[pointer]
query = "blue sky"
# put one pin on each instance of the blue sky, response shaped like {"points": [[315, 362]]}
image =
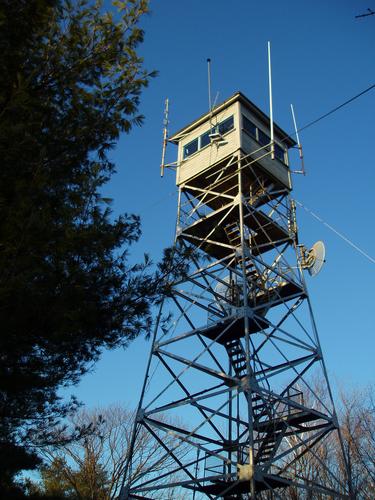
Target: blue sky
{"points": [[321, 57]]}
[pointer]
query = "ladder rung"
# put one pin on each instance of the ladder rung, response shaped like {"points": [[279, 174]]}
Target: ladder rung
{"points": [[231, 344], [234, 349], [240, 369], [240, 359], [269, 445], [239, 362], [235, 230], [231, 227]]}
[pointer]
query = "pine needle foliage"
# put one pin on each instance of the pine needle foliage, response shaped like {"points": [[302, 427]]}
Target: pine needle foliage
{"points": [[70, 84]]}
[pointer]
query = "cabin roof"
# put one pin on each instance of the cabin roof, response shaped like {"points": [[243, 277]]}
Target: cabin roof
{"points": [[238, 96]]}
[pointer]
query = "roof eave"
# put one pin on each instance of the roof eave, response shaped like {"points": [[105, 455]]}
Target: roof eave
{"points": [[238, 96]]}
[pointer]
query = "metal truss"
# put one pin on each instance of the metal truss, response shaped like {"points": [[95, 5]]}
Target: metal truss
{"points": [[230, 381]]}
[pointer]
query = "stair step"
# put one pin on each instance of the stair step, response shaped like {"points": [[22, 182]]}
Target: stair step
{"points": [[235, 348], [232, 342], [239, 363], [235, 354], [239, 369], [269, 446], [238, 358], [233, 351], [266, 439], [235, 230]]}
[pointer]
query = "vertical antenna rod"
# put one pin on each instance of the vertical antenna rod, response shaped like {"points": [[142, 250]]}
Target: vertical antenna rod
{"points": [[302, 171], [209, 84], [271, 107], [295, 124], [165, 136]]}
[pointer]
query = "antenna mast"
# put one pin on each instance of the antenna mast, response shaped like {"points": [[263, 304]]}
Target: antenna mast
{"points": [[302, 171], [165, 136], [209, 84], [271, 106]]}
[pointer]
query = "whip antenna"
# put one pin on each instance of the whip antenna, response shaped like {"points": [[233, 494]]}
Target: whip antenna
{"points": [[209, 84], [302, 171], [271, 106], [165, 136]]}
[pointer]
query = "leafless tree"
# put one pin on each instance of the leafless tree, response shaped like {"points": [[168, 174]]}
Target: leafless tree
{"points": [[356, 416], [93, 465]]}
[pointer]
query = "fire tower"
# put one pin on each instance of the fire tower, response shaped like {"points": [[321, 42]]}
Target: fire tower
{"points": [[230, 398]]}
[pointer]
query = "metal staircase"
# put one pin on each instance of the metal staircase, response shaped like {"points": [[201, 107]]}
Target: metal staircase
{"points": [[237, 357], [233, 233]]}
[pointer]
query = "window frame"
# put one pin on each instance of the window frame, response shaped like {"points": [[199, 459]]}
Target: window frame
{"points": [[187, 145], [254, 136], [264, 136], [282, 151], [230, 118], [214, 129]]}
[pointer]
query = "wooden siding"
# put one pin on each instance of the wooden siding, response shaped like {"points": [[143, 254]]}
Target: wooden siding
{"points": [[235, 139]]}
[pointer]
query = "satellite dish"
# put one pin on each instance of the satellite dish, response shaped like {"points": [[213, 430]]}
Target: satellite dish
{"points": [[315, 258]]}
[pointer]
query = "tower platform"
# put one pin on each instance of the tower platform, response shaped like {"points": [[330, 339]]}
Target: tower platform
{"points": [[208, 233], [229, 489]]}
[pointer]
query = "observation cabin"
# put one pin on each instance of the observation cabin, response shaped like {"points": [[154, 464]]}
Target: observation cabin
{"points": [[236, 130]]}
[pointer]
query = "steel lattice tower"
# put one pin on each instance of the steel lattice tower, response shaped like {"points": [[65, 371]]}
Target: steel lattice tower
{"points": [[229, 396]]}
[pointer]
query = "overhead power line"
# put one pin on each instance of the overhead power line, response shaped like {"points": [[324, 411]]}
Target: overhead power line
{"points": [[336, 108], [369, 12], [349, 242]]}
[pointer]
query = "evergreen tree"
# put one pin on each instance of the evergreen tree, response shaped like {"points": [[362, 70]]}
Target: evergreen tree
{"points": [[70, 83]]}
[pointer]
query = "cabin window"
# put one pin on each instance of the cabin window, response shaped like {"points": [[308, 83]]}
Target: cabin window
{"points": [[226, 125], [191, 148], [279, 153], [263, 138], [221, 128], [249, 127], [203, 140]]}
